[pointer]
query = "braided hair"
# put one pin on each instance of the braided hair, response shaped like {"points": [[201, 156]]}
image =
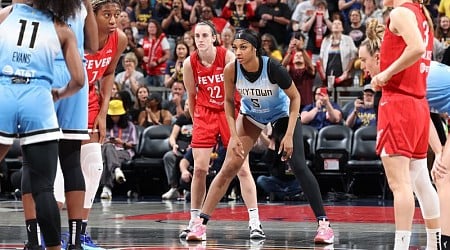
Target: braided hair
{"points": [[96, 4]]}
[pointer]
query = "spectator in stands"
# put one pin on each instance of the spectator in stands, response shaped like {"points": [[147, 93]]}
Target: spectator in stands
{"points": [[140, 16], [227, 37], [273, 16], [317, 27], [337, 55], [302, 72], [238, 13], [270, 47], [303, 12], [174, 68], [179, 140], [207, 13], [129, 78], [132, 46], [176, 23], [281, 184], [115, 89], [345, 6], [118, 147], [156, 53], [141, 96], [356, 30], [176, 101], [188, 39], [322, 112], [364, 112], [154, 114], [297, 43], [127, 102], [371, 10], [124, 22]]}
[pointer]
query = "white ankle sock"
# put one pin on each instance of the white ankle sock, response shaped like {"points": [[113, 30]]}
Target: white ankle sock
{"points": [[433, 238], [253, 215], [402, 239], [195, 213]]}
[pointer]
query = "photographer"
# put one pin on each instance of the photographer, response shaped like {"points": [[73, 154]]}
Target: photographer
{"points": [[364, 112], [179, 140]]}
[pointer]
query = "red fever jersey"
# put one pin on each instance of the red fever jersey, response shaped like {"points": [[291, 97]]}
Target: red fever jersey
{"points": [[210, 81], [96, 65], [411, 81]]}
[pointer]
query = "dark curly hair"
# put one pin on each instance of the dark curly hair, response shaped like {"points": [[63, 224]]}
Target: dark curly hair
{"points": [[62, 10]]}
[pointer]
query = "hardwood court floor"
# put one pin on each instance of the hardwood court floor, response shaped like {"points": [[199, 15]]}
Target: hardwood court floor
{"points": [[127, 224]]}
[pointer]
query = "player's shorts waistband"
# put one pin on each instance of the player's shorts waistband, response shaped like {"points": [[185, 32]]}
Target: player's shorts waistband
{"points": [[5, 80]]}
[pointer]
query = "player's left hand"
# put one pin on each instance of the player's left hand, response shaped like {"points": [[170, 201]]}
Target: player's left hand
{"points": [[286, 148]]}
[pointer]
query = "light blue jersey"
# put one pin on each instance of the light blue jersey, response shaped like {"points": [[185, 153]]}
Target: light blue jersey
{"points": [[72, 112], [438, 87], [28, 46], [262, 100]]}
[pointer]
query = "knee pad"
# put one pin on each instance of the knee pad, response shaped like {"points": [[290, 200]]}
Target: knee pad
{"points": [[424, 190], [58, 187], [92, 167]]}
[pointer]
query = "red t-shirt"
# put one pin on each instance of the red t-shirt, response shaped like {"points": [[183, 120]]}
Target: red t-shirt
{"points": [[411, 81]]}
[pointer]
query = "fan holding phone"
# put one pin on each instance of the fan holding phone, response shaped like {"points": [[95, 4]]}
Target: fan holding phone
{"points": [[322, 112], [363, 113]]}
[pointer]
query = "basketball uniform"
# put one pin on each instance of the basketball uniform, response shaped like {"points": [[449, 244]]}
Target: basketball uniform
{"points": [[438, 86], [403, 101], [28, 54], [262, 101], [209, 114], [96, 65], [72, 112]]}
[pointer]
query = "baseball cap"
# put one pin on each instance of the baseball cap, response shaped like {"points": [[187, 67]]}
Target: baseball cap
{"points": [[368, 87]]}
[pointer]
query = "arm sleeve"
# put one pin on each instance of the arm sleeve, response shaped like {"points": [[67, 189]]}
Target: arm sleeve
{"points": [[278, 74]]}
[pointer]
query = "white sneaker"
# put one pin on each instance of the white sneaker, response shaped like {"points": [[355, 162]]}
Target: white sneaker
{"points": [[256, 231], [120, 177], [106, 193], [171, 194]]}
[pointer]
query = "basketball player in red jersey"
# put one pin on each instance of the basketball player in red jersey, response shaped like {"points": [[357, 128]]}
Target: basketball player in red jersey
{"points": [[100, 68], [204, 82], [403, 114]]}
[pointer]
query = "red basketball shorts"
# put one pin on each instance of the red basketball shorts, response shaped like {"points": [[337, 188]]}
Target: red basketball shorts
{"points": [[403, 126]]}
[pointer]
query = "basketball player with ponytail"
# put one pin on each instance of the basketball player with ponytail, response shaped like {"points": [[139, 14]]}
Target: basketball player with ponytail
{"points": [[403, 112], [204, 80], [369, 53]]}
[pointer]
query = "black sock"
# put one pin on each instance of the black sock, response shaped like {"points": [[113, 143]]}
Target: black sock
{"points": [[205, 218], [32, 233], [75, 229], [83, 226], [445, 242]]}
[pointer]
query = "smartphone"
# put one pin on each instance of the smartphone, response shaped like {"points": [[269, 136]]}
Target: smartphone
{"points": [[323, 91]]}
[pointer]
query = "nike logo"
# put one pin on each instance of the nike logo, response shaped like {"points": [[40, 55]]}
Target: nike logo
{"points": [[383, 103], [109, 51], [444, 244], [28, 228]]}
